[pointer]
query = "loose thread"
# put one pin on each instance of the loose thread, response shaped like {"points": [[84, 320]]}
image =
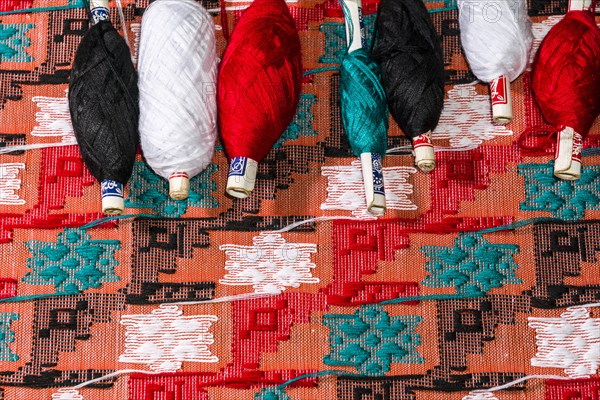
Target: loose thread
{"points": [[228, 299], [35, 146], [505, 227], [114, 375], [428, 297], [111, 218], [41, 9], [124, 25], [328, 372], [316, 219]]}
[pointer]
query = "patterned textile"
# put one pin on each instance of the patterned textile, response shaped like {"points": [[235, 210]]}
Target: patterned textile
{"points": [[422, 304]]}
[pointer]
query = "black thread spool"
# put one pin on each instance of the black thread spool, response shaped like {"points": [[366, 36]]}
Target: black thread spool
{"points": [[412, 72], [103, 101]]}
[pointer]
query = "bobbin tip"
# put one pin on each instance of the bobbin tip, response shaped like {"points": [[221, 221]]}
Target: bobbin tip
{"points": [[573, 173], [242, 176], [179, 186], [424, 153], [502, 112], [377, 205], [112, 197], [372, 171], [567, 160]]}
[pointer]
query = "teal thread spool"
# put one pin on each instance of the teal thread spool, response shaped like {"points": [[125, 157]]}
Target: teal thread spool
{"points": [[364, 108]]}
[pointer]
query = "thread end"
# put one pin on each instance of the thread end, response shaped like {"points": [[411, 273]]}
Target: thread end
{"points": [[372, 171], [112, 197], [567, 160], [242, 176], [424, 153], [179, 186], [502, 112]]}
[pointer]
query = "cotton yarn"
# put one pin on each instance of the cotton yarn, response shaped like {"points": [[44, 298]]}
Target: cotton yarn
{"points": [[258, 88], [363, 108], [103, 102], [363, 104], [496, 37], [566, 83], [177, 82], [566, 73], [412, 69]]}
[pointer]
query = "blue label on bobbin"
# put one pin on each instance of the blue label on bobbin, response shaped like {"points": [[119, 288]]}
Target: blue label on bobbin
{"points": [[363, 33], [238, 166], [111, 189], [99, 14], [378, 187]]}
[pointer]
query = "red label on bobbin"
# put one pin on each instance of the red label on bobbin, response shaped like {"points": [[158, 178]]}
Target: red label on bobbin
{"points": [[577, 147], [422, 140], [179, 175], [498, 91]]}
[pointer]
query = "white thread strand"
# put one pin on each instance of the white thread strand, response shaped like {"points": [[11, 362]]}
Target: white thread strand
{"points": [[316, 219], [35, 146], [177, 80], [521, 380], [123, 24], [115, 374], [496, 36], [228, 299]]}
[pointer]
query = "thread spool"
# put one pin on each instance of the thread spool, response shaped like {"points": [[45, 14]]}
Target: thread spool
{"points": [[409, 52], [369, 151], [103, 102], [177, 81], [569, 144], [497, 39], [566, 83], [258, 88]]}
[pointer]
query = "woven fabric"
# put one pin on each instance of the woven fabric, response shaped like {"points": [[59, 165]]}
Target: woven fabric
{"points": [[423, 304]]}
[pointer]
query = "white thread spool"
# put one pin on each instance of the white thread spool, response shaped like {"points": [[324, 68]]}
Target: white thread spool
{"points": [[177, 80], [497, 39], [372, 168]]}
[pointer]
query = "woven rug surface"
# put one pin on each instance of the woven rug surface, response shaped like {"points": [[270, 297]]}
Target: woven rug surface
{"points": [[429, 302]]}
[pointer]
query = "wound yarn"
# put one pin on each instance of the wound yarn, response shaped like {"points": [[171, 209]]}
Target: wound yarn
{"points": [[566, 73], [363, 108], [259, 87], [566, 84], [412, 66], [103, 102], [496, 37], [363, 103], [177, 82]]}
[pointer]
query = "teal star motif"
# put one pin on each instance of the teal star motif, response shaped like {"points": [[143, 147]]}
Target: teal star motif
{"points": [[563, 199], [7, 336], [72, 264], [302, 124], [271, 394], [370, 340], [148, 190], [13, 41], [473, 265]]}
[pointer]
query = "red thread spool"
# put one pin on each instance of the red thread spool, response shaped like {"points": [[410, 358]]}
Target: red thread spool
{"points": [[566, 85], [258, 88]]}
